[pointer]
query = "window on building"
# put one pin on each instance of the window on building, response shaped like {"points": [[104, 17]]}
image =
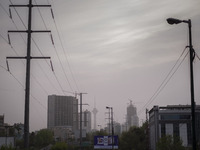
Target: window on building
{"points": [[189, 133], [163, 130], [174, 117], [176, 129]]}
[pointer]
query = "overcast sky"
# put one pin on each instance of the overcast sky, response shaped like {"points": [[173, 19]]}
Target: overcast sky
{"points": [[114, 50]]}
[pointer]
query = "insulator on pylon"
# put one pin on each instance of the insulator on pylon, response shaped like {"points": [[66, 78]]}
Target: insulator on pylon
{"points": [[8, 69], [52, 13], [9, 40], [10, 13], [51, 65], [52, 39]]}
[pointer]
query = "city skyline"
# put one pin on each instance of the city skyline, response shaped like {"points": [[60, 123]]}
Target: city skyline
{"points": [[113, 50]]}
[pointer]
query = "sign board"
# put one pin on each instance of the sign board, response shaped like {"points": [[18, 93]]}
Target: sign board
{"points": [[105, 142]]}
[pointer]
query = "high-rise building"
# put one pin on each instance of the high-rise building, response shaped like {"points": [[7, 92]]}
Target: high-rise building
{"points": [[86, 120], [174, 120], [62, 111], [132, 118]]}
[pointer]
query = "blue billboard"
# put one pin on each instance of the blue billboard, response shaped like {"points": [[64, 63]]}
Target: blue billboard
{"points": [[105, 142]]}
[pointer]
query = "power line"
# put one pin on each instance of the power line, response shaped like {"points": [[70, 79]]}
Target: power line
{"points": [[165, 81], [3, 67], [197, 56], [19, 16], [56, 53], [64, 52], [4, 9], [39, 51], [3, 38], [55, 48], [28, 66], [36, 47]]}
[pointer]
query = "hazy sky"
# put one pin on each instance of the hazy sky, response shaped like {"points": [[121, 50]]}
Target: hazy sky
{"points": [[114, 50]]}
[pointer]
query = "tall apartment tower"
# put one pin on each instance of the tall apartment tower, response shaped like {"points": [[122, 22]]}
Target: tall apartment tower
{"points": [[62, 111], [132, 118]]}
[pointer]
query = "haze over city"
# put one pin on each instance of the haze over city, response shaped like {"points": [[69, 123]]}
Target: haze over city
{"points": [[113, 50]]}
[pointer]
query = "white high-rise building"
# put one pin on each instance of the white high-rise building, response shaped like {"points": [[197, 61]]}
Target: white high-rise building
{"points": [[62, 111]]}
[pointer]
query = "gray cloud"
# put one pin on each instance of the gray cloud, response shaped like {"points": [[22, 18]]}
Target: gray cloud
{"points": [[116, 49]]}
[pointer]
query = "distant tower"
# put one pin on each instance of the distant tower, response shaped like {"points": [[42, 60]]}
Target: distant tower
{"points": [[95, 111]]}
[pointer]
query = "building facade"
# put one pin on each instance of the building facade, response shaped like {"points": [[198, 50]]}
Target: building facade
{"points": [[6, 133], [87, 121], [2, 129], [132, 118], [63, 133], [62, 111], [174, 120]]}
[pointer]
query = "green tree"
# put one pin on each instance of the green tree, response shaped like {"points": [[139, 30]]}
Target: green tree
{"points": [[43, 138], [134, 139], [168, 143], [59, 146], [6, 148]]}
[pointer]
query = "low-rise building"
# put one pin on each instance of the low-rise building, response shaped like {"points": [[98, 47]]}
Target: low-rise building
{"points": [[174, 120], [63, 133], [6, 133]]}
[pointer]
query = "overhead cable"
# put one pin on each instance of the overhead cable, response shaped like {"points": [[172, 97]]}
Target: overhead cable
{"points": [[165, 81]]}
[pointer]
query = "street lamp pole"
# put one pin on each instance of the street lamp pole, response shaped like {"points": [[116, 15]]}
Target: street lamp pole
{"points": [[112, 126], [192, 56], [112, 129]]}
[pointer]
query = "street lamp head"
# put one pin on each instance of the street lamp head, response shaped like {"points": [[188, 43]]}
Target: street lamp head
{"points": [[107, 107], [173, 21]]}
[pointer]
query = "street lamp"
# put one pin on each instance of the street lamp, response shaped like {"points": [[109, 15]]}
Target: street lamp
{"points": [[111, 125], [192, 55]]}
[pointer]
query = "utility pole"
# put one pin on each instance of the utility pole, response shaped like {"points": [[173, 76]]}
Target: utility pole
{"points": [[109, 124], [113, 140], [28, 65], [147, 129], [81, 119]]}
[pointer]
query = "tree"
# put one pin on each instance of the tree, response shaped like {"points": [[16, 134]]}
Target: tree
{"points": [[43, 138], [168, 143], [59, 146], [134, 139], [6, 148]]}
